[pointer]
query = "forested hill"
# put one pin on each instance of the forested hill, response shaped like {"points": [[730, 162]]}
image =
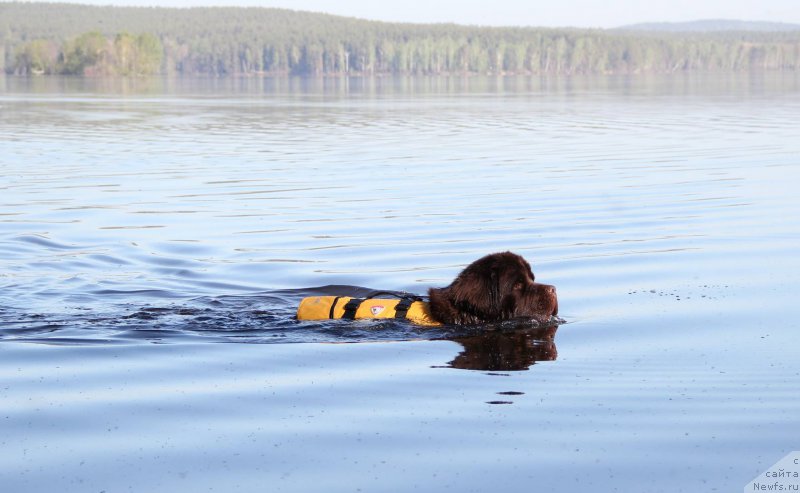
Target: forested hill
{"points": [[78, 39], [710, 25]]}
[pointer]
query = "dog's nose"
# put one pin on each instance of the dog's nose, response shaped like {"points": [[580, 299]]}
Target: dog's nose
{"points": [[551, 291], [547, 288]]}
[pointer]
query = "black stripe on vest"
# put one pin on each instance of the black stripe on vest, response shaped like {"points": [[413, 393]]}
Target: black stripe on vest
{"points": [[351, 307], [333, 306], [401, 310]]}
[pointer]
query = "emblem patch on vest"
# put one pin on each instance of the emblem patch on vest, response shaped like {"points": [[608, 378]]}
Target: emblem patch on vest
{"points": [[376, 309]]}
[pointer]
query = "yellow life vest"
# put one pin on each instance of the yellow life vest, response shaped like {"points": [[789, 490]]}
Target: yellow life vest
{"points": [[327, 307]]}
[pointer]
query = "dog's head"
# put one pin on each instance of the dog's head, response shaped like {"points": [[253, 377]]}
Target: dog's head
{"points": [[500, 286]]}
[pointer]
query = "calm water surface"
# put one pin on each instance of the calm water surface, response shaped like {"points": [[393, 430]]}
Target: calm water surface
{"points": [[143, 223]]}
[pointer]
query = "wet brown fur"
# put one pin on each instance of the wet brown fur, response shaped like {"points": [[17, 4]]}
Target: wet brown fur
{"points": [[497, 287]]}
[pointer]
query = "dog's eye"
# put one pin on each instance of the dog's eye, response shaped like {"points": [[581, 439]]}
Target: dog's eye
{"points": [[517, 285]]}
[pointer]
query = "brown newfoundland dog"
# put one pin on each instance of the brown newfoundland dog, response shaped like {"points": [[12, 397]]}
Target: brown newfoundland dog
{"points": [[496, 287]]}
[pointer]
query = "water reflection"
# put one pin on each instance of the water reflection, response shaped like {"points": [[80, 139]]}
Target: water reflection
{"points": [[501, 350], [325, 88]]}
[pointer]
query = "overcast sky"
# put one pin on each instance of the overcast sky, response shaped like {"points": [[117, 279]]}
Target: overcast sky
{"points": [[579, 13]]}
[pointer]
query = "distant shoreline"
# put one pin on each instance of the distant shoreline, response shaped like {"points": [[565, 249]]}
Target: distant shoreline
{"points": [[71, 39]]}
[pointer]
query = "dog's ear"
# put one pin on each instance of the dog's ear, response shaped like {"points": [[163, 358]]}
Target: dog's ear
{"points": [[478, 292]]}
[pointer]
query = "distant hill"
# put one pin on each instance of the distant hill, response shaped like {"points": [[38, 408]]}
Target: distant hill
{"points": [[712, 25], [58, 38]]}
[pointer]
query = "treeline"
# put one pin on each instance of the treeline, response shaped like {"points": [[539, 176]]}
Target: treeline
{"points": [[80, 39], [91, 53]]}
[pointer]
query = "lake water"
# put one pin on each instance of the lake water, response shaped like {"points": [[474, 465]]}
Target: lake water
{"points": [[156, 235]]}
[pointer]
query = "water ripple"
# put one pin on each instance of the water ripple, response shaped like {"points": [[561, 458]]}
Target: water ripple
{"points": [[183, 195]]}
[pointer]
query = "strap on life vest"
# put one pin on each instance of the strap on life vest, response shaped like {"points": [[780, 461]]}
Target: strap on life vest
{"points": [[401, 310], [351, 307], [333, 307]]}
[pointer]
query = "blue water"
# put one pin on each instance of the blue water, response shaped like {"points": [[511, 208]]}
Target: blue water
{"points": [[156, 235]]}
